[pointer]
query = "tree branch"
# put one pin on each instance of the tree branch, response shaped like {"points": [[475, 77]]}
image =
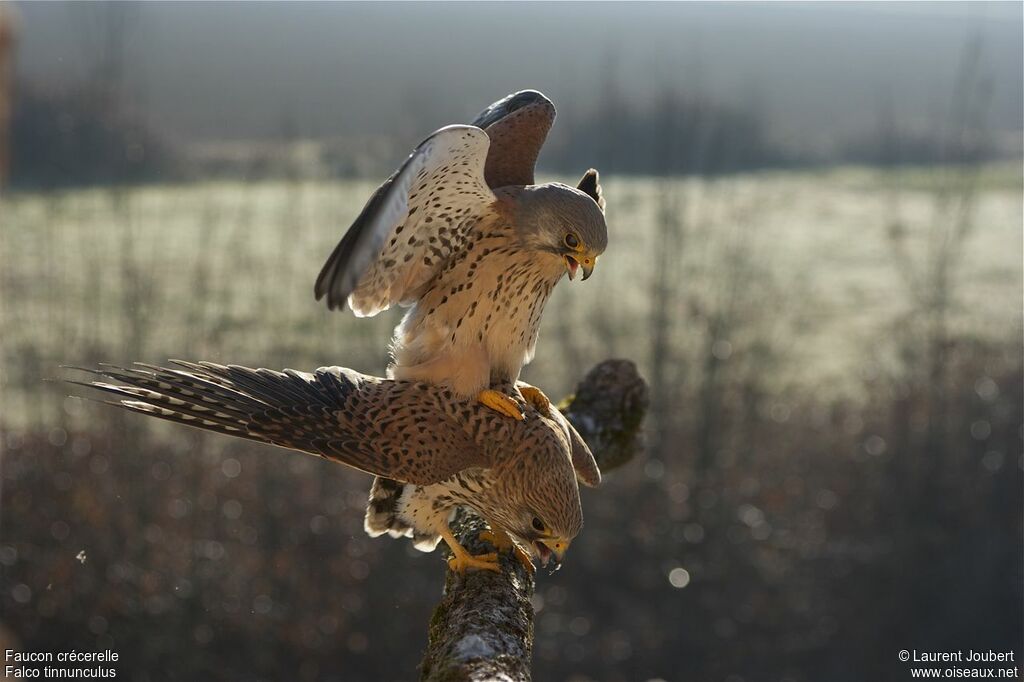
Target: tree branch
{"points": [[483, 627]]}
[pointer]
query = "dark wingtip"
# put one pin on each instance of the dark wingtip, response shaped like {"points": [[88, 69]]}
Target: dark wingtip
{"points": [[590, 185], [518, 100], [320, 288], [325, 283], [333, 300], [509, 105]]}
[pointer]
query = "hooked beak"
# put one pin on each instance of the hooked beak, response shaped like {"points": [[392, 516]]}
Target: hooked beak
{"points": [[583, 262], [551, 550]]}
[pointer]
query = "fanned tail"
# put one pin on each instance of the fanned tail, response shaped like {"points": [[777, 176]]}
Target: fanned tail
{"points": [[280, 408], [376, 425]]}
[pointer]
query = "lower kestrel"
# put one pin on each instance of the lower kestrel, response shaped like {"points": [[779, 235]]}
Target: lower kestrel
{"points": [[432, 451]]}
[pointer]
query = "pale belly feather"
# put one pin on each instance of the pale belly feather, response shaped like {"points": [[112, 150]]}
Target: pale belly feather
{"points": [[478, 321]]}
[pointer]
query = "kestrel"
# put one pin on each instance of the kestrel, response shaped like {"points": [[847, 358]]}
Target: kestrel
{"points": [[462, 236], [431, 451]]}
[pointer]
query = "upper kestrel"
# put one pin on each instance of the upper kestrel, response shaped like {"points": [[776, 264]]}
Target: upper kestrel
{"points": [[431, 451], [462, 236]]}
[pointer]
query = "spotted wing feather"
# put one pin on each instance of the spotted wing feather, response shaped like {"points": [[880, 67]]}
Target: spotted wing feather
{"points": [[411, 225], [404, 431]]}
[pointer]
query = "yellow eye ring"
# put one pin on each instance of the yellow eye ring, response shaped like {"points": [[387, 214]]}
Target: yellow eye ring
{"points": [[538, 525], [572, 241]]}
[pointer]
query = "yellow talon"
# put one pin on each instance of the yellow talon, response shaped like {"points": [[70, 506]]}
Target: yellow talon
{"points": [[463, 560], [500, 403], [482, 562], [502, 542], [536, 397]]}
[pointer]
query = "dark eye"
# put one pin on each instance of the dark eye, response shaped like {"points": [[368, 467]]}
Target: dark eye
{"points": [[538, 524], [572, 241]]}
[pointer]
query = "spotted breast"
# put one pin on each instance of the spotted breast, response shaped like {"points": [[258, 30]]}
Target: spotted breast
{"points": [[478, 321]]}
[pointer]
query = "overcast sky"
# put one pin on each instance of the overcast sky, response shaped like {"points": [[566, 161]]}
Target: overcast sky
{"points": [[239, 70]]}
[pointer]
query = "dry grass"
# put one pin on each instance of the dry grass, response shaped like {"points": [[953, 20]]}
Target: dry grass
{"points": [[223, 271]]}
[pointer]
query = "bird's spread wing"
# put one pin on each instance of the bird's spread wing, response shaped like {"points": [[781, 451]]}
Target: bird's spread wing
{"points": [[517, 126], [411, 225], [410, 432]]}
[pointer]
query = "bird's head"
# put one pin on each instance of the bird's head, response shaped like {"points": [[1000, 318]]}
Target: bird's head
{"points": [[541, 498], [546, 542], [566, 222]]}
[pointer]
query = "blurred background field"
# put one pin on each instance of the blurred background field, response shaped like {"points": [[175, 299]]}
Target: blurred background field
{"points": [[222, 271], [822, 284]]}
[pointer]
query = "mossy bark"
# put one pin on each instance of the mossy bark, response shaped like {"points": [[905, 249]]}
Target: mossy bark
{"points": [[608, 410], [483, 627]]}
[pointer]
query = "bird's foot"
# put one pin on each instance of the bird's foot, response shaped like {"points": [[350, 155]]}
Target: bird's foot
{"points": [[462, 561], [500, 403], [536, 397], [503, 543]]}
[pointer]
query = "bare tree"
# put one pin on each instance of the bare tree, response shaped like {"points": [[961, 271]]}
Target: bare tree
{"points": [[930, 271]]}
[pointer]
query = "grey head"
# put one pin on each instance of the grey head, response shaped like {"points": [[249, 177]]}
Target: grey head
{"points": [[565, 221]]}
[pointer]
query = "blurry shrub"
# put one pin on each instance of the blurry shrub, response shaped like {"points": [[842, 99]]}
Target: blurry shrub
{"points": [[707, 137], [81, 139]]}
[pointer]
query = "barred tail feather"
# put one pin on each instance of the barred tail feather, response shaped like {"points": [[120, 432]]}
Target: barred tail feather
{"points": [[365, 422], [231, 400], [173, 406]]}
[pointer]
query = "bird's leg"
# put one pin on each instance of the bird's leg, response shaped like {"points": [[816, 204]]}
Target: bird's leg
{"points": [[503, 543], [463, 560], [500, 403], [536, 397]]}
